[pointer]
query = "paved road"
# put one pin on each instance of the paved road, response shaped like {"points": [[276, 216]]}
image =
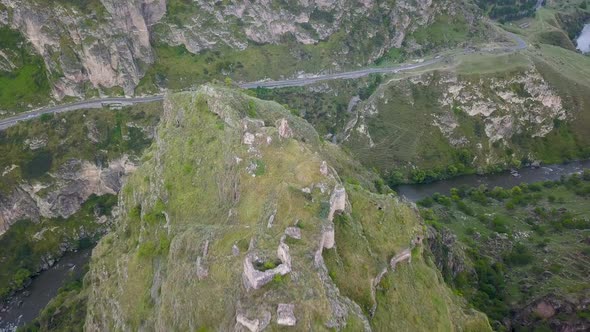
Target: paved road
{"points": [[520, 44], [85, 104], [328, 77], [99, 103]]}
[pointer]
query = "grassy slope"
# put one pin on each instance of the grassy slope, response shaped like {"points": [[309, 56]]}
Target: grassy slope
{"points": [[27, 84], [195, 181], [545, 228]]}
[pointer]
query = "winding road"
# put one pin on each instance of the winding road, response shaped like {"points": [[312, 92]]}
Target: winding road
{"points": [[294, 82]]}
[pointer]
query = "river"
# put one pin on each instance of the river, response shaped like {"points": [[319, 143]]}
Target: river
{"points": [[583, 41], [28, 303], [415, 192]]}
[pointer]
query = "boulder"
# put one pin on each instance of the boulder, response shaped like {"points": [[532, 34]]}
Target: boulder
{"points": [[328, 240], [284, 255], [253, 325], [285, 315], [248, 138], [235, 250], [293, 232], [284, 129], [202, 271]]}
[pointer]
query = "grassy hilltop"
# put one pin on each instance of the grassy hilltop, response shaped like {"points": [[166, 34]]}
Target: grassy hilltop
{"points": [[227, 176]]}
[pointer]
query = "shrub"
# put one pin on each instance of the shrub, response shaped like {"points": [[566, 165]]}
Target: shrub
{"points": [[147, 250], [135, 212], [499, 224], [465, 208], [38, 165], [20, 278], [260, 168], [519, 255], [499, 193], [510, 205], [442, 199], [516, 191], [426, 202], [269, 265]]}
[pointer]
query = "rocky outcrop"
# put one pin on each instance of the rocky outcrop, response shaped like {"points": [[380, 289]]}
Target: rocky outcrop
{"points": [[324, 168], [493, 116], [72, 184], [404, 256], [557, 312], [448, 253], [531, 103], [284, 129], [293, 232], [106, 43]]}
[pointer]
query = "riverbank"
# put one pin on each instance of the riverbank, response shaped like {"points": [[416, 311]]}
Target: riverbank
{"points": [[27, 303], [507, 179]]}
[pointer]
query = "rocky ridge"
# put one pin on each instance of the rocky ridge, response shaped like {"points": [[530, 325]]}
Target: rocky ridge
{"points": [[235, 217]]}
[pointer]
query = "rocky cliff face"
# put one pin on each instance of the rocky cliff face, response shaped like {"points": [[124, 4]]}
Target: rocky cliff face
{"points": [[494, 116], [105, 43], [109, 43], [72, 184], [240, 218]]}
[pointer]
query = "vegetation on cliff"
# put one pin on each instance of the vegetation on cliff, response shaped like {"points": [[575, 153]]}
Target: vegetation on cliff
{"points": [[527, 250]]}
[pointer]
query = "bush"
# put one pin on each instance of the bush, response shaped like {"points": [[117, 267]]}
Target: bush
{"points": [[499, 193], [442, 199], [499, 224], [510, 205], [147, 250], [465, 208], [38, 165], [426, 202], [520, 255], [20, 278]]}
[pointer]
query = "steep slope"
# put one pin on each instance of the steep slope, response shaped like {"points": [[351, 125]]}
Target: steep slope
{"points": [[238, 219], [484, 113], [59, 180], [519, 254]]}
